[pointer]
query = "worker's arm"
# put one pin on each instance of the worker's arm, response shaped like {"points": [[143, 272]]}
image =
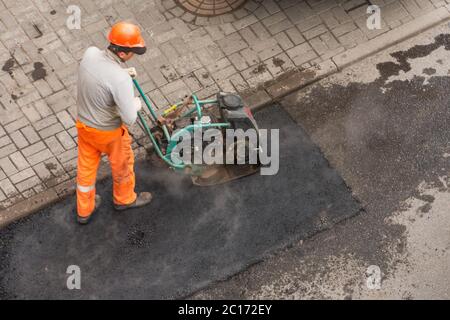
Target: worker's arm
{"points": [[127, 104]]}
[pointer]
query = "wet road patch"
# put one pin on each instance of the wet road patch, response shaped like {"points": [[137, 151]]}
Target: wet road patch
{"points": [[186, 239], [389, 69]]}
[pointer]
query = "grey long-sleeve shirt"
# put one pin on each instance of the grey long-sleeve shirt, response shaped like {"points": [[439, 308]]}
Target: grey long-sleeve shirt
{"points": [[105, 96]]}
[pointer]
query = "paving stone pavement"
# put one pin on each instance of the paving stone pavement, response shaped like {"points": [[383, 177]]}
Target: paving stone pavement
{"points": [[237, 51]]}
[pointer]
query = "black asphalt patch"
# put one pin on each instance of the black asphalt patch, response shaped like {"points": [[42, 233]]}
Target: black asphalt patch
{"points": [[186, 239]]}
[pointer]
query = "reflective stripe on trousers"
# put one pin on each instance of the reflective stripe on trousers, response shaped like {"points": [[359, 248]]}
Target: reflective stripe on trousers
{"points": [[85, 189]]}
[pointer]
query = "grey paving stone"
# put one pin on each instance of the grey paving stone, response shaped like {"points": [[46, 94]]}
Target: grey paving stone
{"points": [[19, 161], [7, 167]]}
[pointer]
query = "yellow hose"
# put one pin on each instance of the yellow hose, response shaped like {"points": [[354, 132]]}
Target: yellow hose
{"points": [[169, 110]]}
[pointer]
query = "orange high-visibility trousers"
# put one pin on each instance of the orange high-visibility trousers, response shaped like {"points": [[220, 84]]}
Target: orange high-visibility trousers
{"points": [[116, 144]]}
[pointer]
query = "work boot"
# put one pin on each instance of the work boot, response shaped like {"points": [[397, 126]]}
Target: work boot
{"points": [[85, 220], [142, 199]]}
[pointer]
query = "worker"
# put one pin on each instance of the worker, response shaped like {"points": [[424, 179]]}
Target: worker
{"points": [[106, 107]]}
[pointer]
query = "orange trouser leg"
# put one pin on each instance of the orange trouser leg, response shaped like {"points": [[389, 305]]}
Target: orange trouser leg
{"points": [[121, 158], [117, 145], [87, 165]]}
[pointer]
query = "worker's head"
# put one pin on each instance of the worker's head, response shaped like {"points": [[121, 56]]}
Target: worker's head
{"points": [[126, 40]]}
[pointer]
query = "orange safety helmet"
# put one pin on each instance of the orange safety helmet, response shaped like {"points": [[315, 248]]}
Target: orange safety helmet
{"points": [[127, 35]]}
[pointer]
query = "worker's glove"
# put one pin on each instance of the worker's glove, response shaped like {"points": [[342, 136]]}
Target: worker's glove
{"points": [[132, 72], [138, 104]]}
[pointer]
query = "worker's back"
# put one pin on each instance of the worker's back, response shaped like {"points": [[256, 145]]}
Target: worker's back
{"points": [[105, 91]]}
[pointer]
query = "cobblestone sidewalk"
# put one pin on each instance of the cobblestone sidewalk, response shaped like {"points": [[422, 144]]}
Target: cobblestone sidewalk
{"points": [[236, 51]]}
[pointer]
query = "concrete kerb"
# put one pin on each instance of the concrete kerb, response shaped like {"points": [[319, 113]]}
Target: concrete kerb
{"points": [[267, 94], [27, 207], [393, 37], [300, 79]]}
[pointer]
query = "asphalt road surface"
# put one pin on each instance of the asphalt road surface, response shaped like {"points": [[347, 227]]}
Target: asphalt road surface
{"points": [[384, 125], [188, 238]]}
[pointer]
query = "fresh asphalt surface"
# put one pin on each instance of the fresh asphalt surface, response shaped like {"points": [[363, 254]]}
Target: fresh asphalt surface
{"points": [[188, 238], [383, 124]]}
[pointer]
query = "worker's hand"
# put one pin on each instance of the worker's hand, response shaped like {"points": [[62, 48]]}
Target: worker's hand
{"points": [[138, 104], [132, 72]]}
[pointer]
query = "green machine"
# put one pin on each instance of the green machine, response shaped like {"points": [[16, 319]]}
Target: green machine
{"points": [[227, 114]]}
